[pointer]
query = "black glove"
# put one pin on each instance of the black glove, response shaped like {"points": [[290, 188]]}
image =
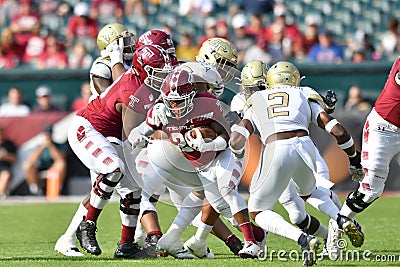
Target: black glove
{"points": [[330, 99]]}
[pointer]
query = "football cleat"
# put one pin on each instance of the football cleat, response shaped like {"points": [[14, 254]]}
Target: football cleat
{"points": [[198, 248], [131, 251], [234, 244], [66, 246], [309, 246], [249, 250], [334, 241], [151, 246], [88, 237], [351, 229], [170, 243]]}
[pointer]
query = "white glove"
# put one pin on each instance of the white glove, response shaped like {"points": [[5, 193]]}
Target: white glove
{"points": [[158, 115], [140, 142], [115, 52], [357, 174], [197, 143]]}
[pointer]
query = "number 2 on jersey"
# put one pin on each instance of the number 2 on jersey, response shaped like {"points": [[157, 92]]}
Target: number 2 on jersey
{"points": [[284, 102]]}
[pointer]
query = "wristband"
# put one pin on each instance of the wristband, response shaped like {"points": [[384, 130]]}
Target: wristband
{"points": [[240, 129], [329, 126], [347, 144], [352, 156]]}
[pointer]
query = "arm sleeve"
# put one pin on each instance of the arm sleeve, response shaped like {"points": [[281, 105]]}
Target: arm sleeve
{"points": [[248, 115], [315, 110]]}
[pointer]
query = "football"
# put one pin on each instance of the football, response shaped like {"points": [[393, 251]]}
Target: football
{"points": [[206, 132]]}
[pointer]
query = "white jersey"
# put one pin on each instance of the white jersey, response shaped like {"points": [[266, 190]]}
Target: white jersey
{"points": [[282, 109], [238, 102]]}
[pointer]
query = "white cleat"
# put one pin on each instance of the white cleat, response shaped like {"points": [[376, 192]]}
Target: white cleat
{"points": [[198, 248], [67, 247], [171, 244], [334, 242], [249, 250]]}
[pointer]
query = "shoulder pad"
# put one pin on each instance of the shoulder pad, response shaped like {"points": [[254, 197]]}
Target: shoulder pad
{"points": [[101, 68]]}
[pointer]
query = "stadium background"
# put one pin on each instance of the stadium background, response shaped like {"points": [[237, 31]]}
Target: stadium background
{"points": [[343, 17]]}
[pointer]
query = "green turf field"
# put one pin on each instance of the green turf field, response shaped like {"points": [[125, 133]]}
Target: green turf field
{"points": [[29, 232]]}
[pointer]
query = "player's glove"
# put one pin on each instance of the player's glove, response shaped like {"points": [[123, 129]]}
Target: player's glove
{"points": [[238, 156], [115, 52], [194, 142], [197, 143], [330, 100], [158, 115], [355, 169], [233, 117], [139, 142]]}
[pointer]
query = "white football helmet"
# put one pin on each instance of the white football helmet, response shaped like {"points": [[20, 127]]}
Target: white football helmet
{"points": [[205, 73]]}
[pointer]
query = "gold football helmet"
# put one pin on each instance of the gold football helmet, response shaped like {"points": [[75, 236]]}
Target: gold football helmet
{"points": [[221, 54], [283, 73], [254, 77], [115, 31]]}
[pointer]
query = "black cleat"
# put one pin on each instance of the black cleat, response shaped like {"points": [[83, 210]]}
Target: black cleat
{"points": [[79, 235], [131, 251], [87, 239], [309, 246], [352, 229], [234, 244]]}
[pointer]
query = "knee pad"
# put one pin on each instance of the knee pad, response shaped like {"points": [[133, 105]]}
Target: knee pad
{"points": [[358, 202], [130, 205], [105, 184]]}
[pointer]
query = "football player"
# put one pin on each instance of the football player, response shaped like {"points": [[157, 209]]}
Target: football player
{"points": [[253, 79], [380, 145], [282, 114], [217, 172], [207, 79], [117, 45], [89, 136]]}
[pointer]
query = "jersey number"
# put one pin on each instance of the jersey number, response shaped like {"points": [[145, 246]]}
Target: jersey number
{"points": [[179, 140], [284, 102]]}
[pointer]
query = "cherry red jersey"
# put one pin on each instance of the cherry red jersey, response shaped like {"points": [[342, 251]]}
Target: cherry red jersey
{"points": [[388, 103], [101, 112], [206, 110]]}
